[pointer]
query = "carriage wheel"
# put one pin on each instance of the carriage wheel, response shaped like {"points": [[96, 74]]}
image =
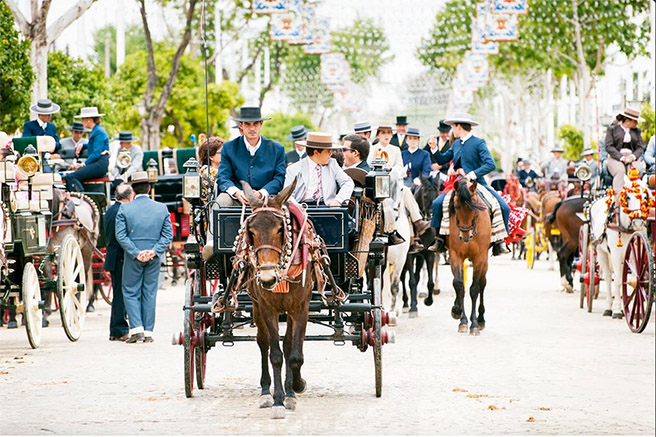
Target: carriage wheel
{"points": [[200, 353], [637, 274], [106, 295], [378, 344], [591, 271], [71, 288], [583, 252], [32, 314], [530, 248], [188, 341]]}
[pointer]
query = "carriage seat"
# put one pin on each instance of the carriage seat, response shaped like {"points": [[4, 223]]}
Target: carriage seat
{"points": [[178, 156], [168, 190]]}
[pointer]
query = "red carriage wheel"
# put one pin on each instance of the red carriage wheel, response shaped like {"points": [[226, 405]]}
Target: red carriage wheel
{"points": [[189, 340], [590, 277], [637, 282], [583, 252], [106, 293]]}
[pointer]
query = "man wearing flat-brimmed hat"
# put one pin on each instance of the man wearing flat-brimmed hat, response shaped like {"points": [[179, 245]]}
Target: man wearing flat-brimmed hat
{"points": [[126, 145], [624, 146], [362, 128], [319, 179], [588, 159], [298, 133], [398, 139], [527, 172], [557, 164], [144, 231], [251, 158], [470, 157], [440, 143], [42, 125]]}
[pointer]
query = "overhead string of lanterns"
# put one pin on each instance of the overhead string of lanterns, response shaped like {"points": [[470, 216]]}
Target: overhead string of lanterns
{"points": [[494, 22]]}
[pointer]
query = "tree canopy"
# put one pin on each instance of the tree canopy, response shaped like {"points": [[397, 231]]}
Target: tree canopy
{"points": [[281, 125]]}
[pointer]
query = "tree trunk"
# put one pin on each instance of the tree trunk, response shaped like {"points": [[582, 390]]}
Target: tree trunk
{"points": [[39, 61], [150, 127], [583, 78]]}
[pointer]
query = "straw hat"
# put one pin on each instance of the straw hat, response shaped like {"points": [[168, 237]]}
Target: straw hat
{"points": [[319, 140]]}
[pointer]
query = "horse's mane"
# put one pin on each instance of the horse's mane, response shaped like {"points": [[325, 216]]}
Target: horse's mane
{"points": [[465, 198]]}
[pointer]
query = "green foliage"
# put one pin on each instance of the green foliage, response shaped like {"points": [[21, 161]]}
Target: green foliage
{"points": [[73, 85], [572, 139], [281, 125], [647, 125], [185, 109], [134, 40], [16, 75]]}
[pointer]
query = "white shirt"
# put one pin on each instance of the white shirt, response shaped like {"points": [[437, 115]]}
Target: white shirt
{"points": [[627, 134], [42, 123], [300, 153], [314, 181], [466, 137], [253, 149], [140, 195]]}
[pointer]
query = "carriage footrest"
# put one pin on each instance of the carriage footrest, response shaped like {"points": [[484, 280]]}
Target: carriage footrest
{"points": [[200, 308]]}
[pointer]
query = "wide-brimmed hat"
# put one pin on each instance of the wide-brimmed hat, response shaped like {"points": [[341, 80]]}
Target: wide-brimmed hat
{"points": [[297, 133], [588, 151], [126, 137], [319, 140], [557, 148], [443, 127], [362, 126], [90, 112], [77, 126], [633, 114], [250, 113], [401, 120], [45, 106], [413, 132], [138, 176], [460, 118], [384, 125], [358, 175], [4, 140], [526, 161]]}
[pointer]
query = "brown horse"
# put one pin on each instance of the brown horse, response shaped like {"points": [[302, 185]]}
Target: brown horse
{"points": [[569, 223], [268, 233], [470, 230]]}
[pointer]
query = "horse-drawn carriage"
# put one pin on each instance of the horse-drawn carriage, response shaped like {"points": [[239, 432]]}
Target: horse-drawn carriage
{"points": [[219, 293]]}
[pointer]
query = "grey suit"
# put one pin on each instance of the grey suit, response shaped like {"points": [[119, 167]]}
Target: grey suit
{"points": [[335, 183], [142, 224]]}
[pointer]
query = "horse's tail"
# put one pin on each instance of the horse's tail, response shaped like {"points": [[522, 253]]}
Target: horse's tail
{"points": [[551, 218]]}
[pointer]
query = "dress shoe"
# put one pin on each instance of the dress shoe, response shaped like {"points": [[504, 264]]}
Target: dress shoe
{"points": [[439, 245], [394, 238], [91, 308], [135, 338], [499, 248], [420, 226], [12, 324], [148, 340], [416, 247], [121, 338]]}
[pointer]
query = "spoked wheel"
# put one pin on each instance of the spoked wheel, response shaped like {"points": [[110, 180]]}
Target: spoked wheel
{"points": [[71, 288], [106, 293], [637, 274], [590, 280], [188, 343], [583, 251], [530, 247], [200, 327], [378, 343], [31, 295]]}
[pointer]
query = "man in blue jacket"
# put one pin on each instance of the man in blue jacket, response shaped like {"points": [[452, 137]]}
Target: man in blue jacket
{"points": [[41, 125], [143, 229], [251, 158], [471, 158]]}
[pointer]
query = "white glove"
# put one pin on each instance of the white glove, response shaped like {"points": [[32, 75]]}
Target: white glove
{"points": [[417, 182], [471, 176]]}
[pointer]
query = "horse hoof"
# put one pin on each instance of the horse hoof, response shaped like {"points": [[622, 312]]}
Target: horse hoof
{"points": [[436, 292], [618, 316], [405, 310], [302, 388], [474, 331], [290, 404], [266, 401], [568, 289], [456, 313], [422, 295], [413, 314], [279, 412], [462, 328], [428, 302], [481, 326], [608, 313]]}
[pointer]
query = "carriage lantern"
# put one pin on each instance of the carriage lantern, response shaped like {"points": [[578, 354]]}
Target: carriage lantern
{"points": [[29, 163], [377, 181], [191, 180], [152, 171]]}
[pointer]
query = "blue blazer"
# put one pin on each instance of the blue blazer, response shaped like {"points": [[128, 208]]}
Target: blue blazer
{"points": [[143, 224], [33, 129], [98, 143], [114, 255], [264, 170], [420, 162], [472, 156]]}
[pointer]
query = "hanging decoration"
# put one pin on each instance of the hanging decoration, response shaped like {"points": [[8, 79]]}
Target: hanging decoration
{"points": [[286, 27], [481, 47], [269, 6], [508, 6], [335, 70], [320, 42], [476, 68], [501, 27]]}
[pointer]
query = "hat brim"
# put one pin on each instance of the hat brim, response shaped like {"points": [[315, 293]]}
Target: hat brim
{"points": [[70, 128], [89, 116], [358, 175], [632, 117], [557, 150], [444, 129], [138, 181], [291, 138], [35, 109], [326, 146], [453, 121], [132, 140], [241, 120]]}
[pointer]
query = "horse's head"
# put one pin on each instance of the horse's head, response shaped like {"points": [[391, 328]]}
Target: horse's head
{"points": [[269, 233], [466, 207], [635, 199]]}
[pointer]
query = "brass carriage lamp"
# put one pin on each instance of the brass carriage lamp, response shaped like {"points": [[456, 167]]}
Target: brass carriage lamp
{"points": [[377, 181], [151, 169], [29, 162], [191, 180]]}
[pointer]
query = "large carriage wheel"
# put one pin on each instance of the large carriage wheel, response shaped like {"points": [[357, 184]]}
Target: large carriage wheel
{"points": [[531, 247], [378, 343], [637, 274], [200, 326], [71, 288], [591, 272], [32, 314], [583, 252], [188, 343], [106, 294]]}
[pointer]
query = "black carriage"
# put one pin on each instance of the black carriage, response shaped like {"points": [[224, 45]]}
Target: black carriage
{"points": [[357, 318]]}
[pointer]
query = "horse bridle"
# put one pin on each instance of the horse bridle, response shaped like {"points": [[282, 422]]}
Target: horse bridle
{"points": [[472, 230]]}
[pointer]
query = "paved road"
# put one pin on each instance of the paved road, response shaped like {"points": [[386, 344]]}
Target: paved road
{"points": [[542, 366]]}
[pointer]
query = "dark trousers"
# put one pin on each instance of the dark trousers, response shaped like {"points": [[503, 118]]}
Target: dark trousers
{"points": [[118, 322], [92, 171]]}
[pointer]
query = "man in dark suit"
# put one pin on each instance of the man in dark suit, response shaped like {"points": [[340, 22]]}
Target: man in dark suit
{"points": [[298, 133], [118, 323], [472, 159], [251, 158], [398, 139], [41, 125], [356, 151], [440, 143]]}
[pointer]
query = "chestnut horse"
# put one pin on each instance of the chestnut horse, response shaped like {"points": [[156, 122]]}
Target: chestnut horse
{"points": [[268, 233], [470, 230]]}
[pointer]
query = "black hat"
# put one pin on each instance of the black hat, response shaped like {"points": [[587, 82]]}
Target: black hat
{"points": [[77, 126], [126, 137], [443, 127], [248, 113], [297, 133], [401, 120]]}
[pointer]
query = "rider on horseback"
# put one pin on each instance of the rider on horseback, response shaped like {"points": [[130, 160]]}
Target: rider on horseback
{"points": [[471, 158]]}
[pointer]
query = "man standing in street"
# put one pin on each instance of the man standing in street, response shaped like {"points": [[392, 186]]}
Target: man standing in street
{"points": [[143, 229], [118, 323]]}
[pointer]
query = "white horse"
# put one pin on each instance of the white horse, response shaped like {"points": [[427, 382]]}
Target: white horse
{"points": [[611, 243]]}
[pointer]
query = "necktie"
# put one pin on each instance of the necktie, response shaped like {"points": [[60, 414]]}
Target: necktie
{"points": [[318, 193]]}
